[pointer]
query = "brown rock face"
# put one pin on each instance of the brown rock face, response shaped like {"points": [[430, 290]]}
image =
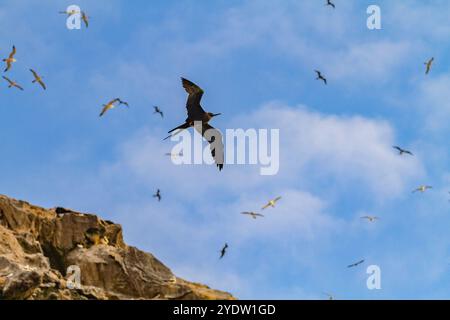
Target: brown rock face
{"points": [[63, 254]]}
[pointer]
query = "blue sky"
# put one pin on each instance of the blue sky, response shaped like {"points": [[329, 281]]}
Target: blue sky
{"points": [[255, 61]]}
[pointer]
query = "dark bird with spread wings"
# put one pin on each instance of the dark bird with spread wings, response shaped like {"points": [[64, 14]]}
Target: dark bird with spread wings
{"points": [[158, 110], [320, 76], [223, 251], [331, 4], [196, 114], [356, 264], [402, 151], [428, 65], [252, 214], [157, 195]]}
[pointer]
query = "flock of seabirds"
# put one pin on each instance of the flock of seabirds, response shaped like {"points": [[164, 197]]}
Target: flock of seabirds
{"points": [[195, 113]]}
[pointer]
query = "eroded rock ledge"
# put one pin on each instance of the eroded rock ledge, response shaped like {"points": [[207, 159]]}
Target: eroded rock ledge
{"points": [[37, 246]]}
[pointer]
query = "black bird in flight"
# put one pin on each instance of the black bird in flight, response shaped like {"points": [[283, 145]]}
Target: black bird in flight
{"points": [[355, 264], [196, 113], [223, 251], [252, 214], [157, 195], [320, 76], [329, 3], [429, 63], [402, 151], [158, 110]]}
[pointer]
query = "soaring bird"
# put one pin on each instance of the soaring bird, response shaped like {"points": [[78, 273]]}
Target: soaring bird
{"points": [[254, 215], [329, 295], [157, 195], [429, 64], [10, 60], [85, 18], [422, 189], [158, 110], [38, 79], [320, 76], [370, 218], [402, 151], [12, 83], [69, 13], [111, 105], [223, 251], [196, 113], [329, 3], [356, 264], [179, 154], [271, 203]]}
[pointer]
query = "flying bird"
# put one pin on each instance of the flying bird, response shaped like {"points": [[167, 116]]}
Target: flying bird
{"points": [[223, 251], [157, 195], [429, 63], [402, 151], [254, 215], [38, 79], [69, 13], [355, 264], [320, 76], [196, 113], [111, 105], [329, 3], [12, 83], [10, 60], [329, 295], [158, 110], [370, 218], [85, 18], [271, 203], [422, 189], [179, 154]]}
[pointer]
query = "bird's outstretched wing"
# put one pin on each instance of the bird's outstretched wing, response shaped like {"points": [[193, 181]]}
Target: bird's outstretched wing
{"points": [[36, 76], [194, 109], [13, 52], [7, 79], [266, 206], [276, 199], [217, 148]]}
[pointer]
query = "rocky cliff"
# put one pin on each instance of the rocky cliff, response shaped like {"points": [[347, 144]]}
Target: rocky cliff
{"points": [[63, 254]]}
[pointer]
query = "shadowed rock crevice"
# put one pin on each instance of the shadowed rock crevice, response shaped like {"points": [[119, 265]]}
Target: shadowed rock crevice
{"points": [[38, 245]]}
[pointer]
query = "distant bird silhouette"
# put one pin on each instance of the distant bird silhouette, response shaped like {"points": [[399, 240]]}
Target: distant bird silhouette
{"points": [[370, 218], [428, 64], [196, 113], [422, 189], [329, 3], [355, 264], [38, 79], [254, 215], [320, 76], [10, 60], [12, 83], [111, 104], [402, 151], [179, 154], [329, 295], [158, 110], [271, 203], [85, 18], [69, 13], [157, 195], [223, 251]]}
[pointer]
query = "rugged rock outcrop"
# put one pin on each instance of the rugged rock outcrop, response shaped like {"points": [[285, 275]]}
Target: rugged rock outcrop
{"points": [[63, 254]]}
